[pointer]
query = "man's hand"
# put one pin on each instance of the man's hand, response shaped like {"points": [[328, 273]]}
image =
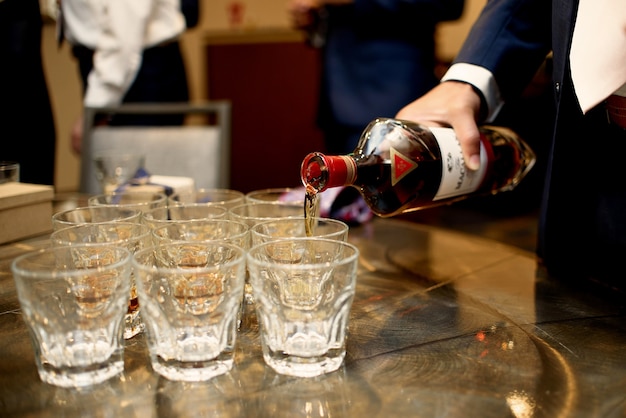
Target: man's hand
{"points": [[301, 12], [453, 104], [76, 136]]}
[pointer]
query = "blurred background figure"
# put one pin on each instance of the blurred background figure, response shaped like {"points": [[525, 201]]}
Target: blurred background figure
{"points": [[28, 131], [377, 55], [128, 51]]}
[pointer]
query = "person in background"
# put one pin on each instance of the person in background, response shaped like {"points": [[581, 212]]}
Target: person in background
{"points": [[26, 120], [582, 225], [377, 55], [128, 51]]}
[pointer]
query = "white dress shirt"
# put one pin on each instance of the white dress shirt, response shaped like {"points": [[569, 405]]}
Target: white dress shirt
{"points": [[118, 31]]}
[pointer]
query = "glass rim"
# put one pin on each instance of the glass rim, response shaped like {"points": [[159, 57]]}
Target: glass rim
{"points": [[208, 205], [162, 197], [255, 228], [145, 231], [172, 224], [272, 190], [350, 258], [20, 271], [9, 165], [239, 194], [233, 211], [150, 252], [57, 215]]}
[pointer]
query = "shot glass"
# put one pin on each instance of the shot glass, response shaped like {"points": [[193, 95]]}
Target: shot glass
{"points": [[200, 230], [290, 195], [280, 228], [74, 300], [256, 212], [276, 194], [191, 294], [223, 197], [143, 201], [183, 212], [303, 290], [132, 236], [10, 172], [94, 214]]}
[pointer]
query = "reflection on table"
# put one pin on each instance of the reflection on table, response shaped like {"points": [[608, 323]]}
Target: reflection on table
{"points": [[443, 324]]}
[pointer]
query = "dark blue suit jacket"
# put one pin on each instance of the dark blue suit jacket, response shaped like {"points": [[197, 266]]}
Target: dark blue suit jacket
{"points": [[583, 216], [379, 55]]}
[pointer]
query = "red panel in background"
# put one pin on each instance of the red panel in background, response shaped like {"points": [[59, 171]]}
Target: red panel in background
{"points": [[273, 88]]}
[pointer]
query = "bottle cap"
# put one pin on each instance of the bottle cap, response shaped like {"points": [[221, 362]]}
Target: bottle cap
{"points": [[323, 171]]}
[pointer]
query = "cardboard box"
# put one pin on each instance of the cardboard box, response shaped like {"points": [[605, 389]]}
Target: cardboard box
{"points": [[25, 210]]}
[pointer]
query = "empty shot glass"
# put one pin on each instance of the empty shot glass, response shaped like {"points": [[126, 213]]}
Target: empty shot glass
{"points": [[143, 201], [199, 230], [94, 214], [74, 300], [280, 228], [303, 289], [289, 195], [191, 295], [183, 212], [10, 172], [253, 213], [223, 197]]}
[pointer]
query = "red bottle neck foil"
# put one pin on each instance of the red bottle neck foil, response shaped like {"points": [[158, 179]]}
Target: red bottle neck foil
{"points": [[324, 171]]}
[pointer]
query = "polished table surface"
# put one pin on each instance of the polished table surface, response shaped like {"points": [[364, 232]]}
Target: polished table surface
{"points": [[443, 325]]}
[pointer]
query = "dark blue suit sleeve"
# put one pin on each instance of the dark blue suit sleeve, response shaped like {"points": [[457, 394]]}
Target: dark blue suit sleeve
{"points": [[430, 10], [510, 38]]}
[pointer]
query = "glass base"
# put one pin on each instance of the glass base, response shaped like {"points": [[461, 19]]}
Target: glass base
{"points": [[193, 371], [73, 377], [304, 366]]}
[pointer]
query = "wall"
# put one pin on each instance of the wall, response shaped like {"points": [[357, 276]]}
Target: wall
{"points": [[217, 16]]}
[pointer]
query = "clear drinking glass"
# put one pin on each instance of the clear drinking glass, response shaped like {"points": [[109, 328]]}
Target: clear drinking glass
{"points": [[290, 195], [94, 214], [277, 194], [142, 201], [191, 295], [10, 172], [223, 197], [183, 212], [203, 230], [253, 213], [73, 300], [303, 290], [280, 228], [132, 236]]}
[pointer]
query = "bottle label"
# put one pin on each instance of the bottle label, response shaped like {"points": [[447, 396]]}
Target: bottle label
{"points": [[456, 178]]}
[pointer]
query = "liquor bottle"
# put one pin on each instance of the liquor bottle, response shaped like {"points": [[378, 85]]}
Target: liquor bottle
{"points": [[400, 166]]}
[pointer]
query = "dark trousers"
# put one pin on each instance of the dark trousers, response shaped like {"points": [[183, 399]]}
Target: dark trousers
{"points": [[583, 220], [27, 133]]}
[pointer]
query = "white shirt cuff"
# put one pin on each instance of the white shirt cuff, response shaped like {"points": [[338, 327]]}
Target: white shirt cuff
{"points": [[483, 80], [100, 94]]}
